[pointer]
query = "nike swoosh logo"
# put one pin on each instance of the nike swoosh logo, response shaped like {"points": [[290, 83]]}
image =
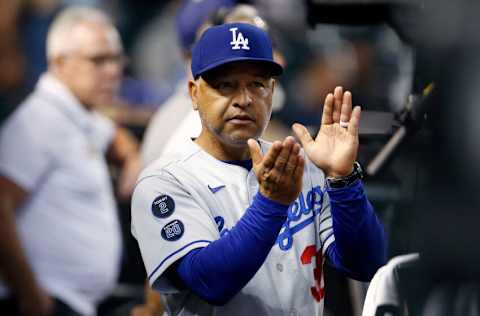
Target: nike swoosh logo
{"points": [[215, 189]]}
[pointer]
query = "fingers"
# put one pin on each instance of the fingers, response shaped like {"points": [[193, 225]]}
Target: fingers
{"points": [[292, 160], [354, 123], [281, 160], [328, 110], [302, 134], [282, 176], [255, 151], [284, 155], [272, 154], [337, 107], [337, 104], [346, 111], [282, 182], [298, 172]]}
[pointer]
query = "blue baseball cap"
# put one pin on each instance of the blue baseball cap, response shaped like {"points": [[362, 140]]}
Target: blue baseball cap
{"points": [[232, 42], [192, 14]]}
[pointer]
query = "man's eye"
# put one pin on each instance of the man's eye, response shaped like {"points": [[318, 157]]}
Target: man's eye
{"points": [[223, 85], [259, 84]]}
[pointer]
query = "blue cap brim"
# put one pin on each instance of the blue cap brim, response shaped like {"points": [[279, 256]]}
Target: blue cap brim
{"points": [[276, 69]]}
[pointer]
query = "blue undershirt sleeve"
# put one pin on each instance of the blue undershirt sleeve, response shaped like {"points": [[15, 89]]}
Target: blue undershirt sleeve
{"points": [[360, 246], [220, 270]]}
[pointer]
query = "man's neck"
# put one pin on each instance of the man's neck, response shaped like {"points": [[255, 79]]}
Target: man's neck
{"points": [[221, 150], [66, 84]]}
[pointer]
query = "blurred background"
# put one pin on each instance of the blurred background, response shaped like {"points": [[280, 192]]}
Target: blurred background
{"points": [[412, 65]]}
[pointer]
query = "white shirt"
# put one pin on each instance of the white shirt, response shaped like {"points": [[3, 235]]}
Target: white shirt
{"points": [[164, 125], [190, 199], [53, 148], [189, 128], [383, 291]]}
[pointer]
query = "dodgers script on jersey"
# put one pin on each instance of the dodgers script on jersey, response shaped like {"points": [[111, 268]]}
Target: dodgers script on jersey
{"points": [[191, 199]]}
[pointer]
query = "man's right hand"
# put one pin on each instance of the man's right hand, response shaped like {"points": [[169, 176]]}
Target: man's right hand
{"points": [[38, 303], [280, 171], [15, 267]]}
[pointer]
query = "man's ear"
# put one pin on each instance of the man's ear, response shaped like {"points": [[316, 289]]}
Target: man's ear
{"points": [[273, 83], [193, 91]]}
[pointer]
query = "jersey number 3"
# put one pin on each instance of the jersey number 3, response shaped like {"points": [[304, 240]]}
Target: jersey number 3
{"points": [[318, 292]]}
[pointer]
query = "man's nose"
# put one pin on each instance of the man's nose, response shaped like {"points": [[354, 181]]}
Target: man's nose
{"points": [[243, 97]]}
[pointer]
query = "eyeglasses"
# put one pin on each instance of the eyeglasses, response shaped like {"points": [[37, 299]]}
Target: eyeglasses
{"points": [[102, 60]]}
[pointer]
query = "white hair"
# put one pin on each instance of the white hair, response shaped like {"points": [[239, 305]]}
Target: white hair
{"points": [[247, 14], [59, 35]]}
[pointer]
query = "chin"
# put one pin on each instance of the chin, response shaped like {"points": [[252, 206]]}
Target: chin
{"points": [[240, 140]]}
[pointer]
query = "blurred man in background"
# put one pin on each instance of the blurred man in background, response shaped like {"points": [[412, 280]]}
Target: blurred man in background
{"points": [[60, 242], [164, 123]]}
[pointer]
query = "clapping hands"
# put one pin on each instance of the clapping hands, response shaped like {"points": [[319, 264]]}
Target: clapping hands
{"points": [[335, 147]]}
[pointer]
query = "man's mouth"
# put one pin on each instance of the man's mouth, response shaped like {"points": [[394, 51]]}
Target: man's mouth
{"points": [[241, 118]]}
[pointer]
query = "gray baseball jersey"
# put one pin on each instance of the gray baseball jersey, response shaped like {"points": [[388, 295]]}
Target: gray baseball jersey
{"points": [[190, 199]]}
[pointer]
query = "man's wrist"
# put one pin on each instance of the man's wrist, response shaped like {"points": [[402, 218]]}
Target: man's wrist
{"points": [[335, 174], [344, 181], [266, 196], [270, 206]]}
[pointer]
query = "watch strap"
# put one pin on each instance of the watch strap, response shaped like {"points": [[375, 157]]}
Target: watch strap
{"points": [[341, 182]]}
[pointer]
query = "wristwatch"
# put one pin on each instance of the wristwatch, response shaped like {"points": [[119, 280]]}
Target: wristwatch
{"points": [[341, 182]]}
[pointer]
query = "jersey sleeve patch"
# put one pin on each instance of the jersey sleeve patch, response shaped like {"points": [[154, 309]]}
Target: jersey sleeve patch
{"points": [[173, 230], [163, 206]]}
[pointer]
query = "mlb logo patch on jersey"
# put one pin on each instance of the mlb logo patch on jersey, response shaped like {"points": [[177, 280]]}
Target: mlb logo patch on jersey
{"points": [[173, 230], [163, 206]]}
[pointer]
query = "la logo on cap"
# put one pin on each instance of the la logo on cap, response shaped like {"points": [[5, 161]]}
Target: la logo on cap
{"points": [[238, 39]]}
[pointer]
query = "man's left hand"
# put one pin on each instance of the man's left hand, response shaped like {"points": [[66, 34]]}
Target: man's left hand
{"points": [[334, 150], [128, 176]]}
